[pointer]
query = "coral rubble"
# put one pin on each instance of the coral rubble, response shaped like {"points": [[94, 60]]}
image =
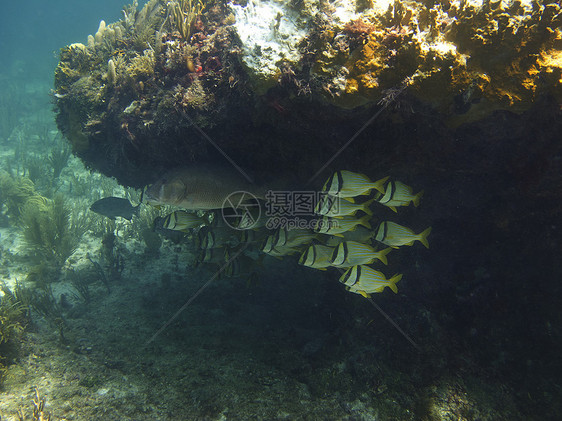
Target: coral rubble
{"points": [[145, 92]]}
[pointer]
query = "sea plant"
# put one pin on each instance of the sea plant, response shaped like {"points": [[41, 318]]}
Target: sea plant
{"points": [[34, 168], [12, 313], [58, 158], [38, 412], [15, 192], [12, 323], [183, 14], [49, 230], [44, 302], [81, 284]]}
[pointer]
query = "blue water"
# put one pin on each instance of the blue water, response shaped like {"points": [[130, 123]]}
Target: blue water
{"points": [[31, 33]]}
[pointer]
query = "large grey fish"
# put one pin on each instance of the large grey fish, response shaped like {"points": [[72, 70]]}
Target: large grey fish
{"points": [[200, 188], [113, 207]]}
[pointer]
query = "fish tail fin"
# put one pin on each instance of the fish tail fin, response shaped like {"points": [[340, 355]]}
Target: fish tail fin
{"points": [[423, 237], [383, 253], [379, 184], [365, 207], [365, 221], [392, 282], [417, 199]]}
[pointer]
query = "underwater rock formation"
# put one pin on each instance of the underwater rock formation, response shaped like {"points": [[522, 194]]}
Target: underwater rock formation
{"points": [[270, 82]]}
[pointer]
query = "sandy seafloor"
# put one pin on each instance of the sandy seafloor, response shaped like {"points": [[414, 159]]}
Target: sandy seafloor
{"points": [[293, 345]]}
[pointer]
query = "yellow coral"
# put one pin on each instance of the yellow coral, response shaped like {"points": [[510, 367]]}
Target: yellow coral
{"points": [[142, 65]]}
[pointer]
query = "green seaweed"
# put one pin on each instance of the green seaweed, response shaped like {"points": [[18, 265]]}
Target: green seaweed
{"points": [[58, 158], [81, 284], [183, 14], [49, 231], [15, 192], [12, 323], [45, 303]]}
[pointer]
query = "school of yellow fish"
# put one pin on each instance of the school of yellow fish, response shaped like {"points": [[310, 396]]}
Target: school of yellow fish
{"points": [[341, 237]]}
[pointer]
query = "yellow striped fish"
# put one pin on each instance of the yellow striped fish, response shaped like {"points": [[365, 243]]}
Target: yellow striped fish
{"points": [[348, 184], [360, 234], [363, 280], [352, 253], [337, 226], [398, 194], [334, 206], [209, 238], [395, 235], [270, 248], [317, 256], [293, 237]]}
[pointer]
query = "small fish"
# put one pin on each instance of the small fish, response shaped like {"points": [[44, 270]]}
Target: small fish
{"points": [[183, 221], [251, 236], [337, 226], [360, 234], [352, 253], [113, 207], [293, 237], [200, 188], [398, 194], [395, 235], [363, 280], [232, 270], [348, 184], [240, 266], [209, 238], [334, 206], [270, 248], [317, 256], [174, 236], [210, 255]]}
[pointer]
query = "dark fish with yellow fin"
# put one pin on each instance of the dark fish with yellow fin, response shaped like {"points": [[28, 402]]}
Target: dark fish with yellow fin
{"points": [[364, 280], [317, 256], [352, 253], [200, 188], [398, 194], [349, 184], [337, 226], [183, 221], [395, 235]]}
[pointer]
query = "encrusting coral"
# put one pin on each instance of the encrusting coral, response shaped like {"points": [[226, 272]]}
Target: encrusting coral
{"points": [[133, 100]]}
